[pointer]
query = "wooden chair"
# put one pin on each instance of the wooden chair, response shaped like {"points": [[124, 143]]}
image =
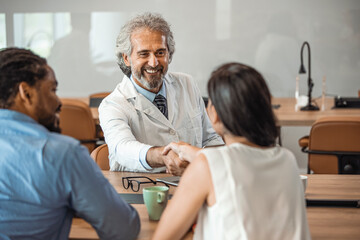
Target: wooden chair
{"points": [[99, 95], [77, 121], [96, 98], [101, 156], [333, 145]]}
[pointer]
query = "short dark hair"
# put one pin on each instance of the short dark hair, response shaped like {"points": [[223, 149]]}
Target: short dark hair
{"points": [[243, 102], [18, 65]]}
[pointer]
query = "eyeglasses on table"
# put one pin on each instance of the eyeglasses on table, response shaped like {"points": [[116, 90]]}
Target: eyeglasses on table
{"points": [[135, 182]]}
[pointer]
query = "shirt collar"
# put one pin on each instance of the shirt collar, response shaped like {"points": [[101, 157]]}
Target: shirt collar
{"points": [[149, 95], [15, 115]]}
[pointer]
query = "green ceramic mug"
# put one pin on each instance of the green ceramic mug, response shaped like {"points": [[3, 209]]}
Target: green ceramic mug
{"points": [[155, 199]]}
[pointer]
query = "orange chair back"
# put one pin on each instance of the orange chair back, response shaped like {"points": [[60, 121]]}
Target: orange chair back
{"points": [[96, 98], [333, 134], [99, 95], [101, 157], [77, 121]]}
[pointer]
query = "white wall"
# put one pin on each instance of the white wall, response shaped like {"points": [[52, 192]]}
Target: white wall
{"points": [[265, 34]]}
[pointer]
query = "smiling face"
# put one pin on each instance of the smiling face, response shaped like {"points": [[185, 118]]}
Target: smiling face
{"points": [[149, 58], [47, 103]]}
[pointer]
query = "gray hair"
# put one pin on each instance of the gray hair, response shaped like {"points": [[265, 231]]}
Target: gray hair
{"points": [[148, 20]]}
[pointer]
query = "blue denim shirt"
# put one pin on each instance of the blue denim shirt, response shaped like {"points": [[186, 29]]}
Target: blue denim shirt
{"points": [[45, 177]]}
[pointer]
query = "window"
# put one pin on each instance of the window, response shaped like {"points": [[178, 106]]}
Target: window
{"points": [[38, 31], [2, 31]]}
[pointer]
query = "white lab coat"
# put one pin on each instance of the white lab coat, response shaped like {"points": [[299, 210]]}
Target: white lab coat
{"points": [[130, 121]]}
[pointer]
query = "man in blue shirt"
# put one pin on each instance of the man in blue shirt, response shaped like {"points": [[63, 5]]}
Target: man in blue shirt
{"points": [[46, 177]]}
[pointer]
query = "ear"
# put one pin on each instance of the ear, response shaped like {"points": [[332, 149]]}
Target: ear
{"points": [[26, 93], [214, 118], [126, 59]]}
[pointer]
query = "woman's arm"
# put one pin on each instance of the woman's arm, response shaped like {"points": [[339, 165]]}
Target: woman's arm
{"points": [[181, 212]]}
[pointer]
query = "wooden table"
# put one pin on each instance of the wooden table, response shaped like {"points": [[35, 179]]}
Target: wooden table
{"points": [[333, 223], [324, 222], [82, 230], [288, 114]]}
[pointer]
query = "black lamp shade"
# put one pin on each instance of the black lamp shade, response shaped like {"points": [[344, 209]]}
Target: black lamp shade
{"points": [[302, 69]]}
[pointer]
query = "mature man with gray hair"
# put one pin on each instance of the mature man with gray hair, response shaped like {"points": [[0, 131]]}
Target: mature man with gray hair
{"points": [[151, 107]]}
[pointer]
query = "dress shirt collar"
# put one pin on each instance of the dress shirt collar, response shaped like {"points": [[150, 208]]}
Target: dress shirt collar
{"points": [[15, 115], [149, 95], [20, 121]]}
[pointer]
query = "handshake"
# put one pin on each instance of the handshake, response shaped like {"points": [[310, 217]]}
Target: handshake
{"points": [[177, 156]]}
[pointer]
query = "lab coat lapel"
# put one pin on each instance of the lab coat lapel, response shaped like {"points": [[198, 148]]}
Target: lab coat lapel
{"points": [[170, 94], [127, 89], [144, 105], [141, 103]]}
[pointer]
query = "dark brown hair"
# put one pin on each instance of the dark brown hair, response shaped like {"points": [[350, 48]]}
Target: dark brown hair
{"points": [[243, 102], [18, 65]]}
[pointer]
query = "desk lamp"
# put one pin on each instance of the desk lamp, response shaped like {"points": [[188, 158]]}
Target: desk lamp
{"points": [[309, 106]]}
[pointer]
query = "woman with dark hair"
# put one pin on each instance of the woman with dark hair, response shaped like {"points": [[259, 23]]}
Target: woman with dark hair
{"points": [[248, 189]]}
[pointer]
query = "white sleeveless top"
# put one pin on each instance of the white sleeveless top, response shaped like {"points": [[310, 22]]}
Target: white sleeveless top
{"points": [[259, 195]]}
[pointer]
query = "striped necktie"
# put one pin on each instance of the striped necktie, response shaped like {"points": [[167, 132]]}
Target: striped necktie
{"points": [[160, 103]]}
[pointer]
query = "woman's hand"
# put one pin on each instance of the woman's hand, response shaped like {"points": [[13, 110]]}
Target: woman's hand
{"points": [[184, 150]]}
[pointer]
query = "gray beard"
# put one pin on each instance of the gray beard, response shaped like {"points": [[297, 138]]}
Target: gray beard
{"points": [[153, 84]]}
